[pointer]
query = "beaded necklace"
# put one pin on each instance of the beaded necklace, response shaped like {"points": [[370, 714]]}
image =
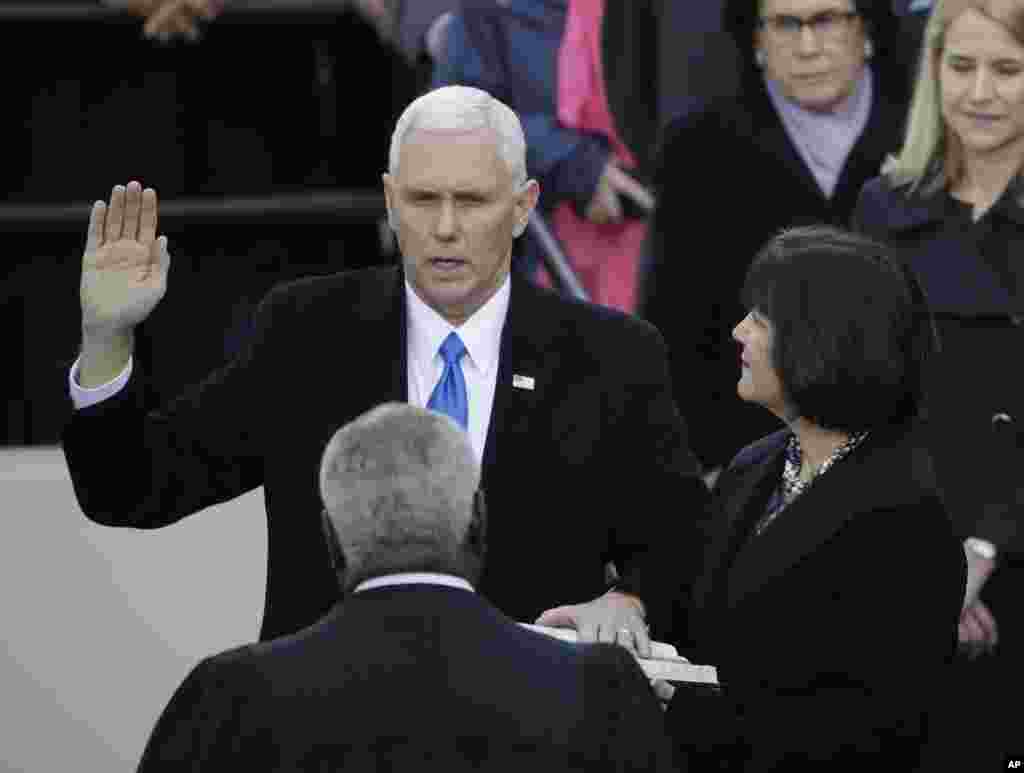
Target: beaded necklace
{"points": [[792, 486]]}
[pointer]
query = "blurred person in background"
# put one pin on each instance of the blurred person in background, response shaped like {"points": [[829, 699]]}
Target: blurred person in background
{"points": [[824, 93], [167, 19], [832, 580], [952, 204], [415, 27], [546, 59]]}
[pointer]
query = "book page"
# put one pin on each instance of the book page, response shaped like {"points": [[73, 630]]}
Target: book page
{"points": [[665, 661]]}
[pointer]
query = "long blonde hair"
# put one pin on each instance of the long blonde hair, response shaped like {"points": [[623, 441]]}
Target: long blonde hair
{"points": [[932, 156]]}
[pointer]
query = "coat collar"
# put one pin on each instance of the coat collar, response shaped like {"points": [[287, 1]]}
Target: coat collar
{"points": [[884, 471], [906, 211], [379, 335], [771, 137], [739, 500], [525, 368]]}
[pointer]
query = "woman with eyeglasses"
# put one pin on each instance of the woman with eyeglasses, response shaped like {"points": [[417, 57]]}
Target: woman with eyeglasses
{"points": [[952, 203], [824, 93]]}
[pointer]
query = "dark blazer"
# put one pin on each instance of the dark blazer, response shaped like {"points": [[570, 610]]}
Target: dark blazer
{"points": [[970, 274], [415, 677], [728, 179], [577, 470], [830, 629]]}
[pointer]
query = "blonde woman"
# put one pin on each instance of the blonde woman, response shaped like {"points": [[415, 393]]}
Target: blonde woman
{"points": [[952, 201]]}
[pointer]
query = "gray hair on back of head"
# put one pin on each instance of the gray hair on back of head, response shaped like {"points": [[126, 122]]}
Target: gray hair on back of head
{"points": [[398, 485], [464, 108]]}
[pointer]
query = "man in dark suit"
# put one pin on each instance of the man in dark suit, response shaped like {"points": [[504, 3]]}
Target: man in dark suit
{"points": [[568, 406], [413, 670]]}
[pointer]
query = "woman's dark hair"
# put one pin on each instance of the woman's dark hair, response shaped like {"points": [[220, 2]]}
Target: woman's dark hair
{"points": [[894, 51], [852, 332]]}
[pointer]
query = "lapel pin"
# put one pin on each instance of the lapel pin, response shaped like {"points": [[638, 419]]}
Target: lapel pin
{"points": [[523, 382]]}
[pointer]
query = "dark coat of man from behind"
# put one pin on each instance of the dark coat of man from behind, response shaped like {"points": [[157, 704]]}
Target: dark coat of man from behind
{"points": [[412, 676]]}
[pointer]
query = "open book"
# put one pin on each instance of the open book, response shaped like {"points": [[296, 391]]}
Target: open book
{"points": [[665, 661]]}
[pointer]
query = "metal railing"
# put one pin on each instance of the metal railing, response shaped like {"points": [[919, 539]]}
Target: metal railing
{"points": [[349, 205]]}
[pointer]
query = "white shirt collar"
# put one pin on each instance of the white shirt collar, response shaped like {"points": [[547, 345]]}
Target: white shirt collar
{"points": [[414, 578], [481, 333]]}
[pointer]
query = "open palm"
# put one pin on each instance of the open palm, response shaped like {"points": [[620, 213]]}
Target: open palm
{"points": [[124, 268]]}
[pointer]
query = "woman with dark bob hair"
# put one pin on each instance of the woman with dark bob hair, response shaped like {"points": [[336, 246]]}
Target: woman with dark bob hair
{"points": [[827, 645], [822, 100]]}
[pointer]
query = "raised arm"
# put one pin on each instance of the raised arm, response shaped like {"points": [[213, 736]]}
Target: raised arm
{"points": [[124, 276], [134, 463]]}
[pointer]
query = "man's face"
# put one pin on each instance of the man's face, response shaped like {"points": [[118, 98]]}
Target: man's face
{"points": [[454, 208], [818, 66]]}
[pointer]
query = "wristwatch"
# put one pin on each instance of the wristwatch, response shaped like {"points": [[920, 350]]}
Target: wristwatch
{"points": [[982, 547]]}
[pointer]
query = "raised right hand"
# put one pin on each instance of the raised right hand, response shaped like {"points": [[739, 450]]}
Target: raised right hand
{"points": [[124, 269]]}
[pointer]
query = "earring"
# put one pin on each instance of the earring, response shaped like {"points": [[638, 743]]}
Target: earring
{"points": [[759, 58], [869, 49]]}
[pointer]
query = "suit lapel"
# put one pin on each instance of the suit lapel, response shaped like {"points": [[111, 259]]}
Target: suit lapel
{"points": [[382, 323], [855, 484], [774, 141], [873, 143], [524, 373], [740, 499]]}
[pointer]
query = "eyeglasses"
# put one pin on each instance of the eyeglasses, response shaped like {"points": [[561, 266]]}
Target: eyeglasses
{"points": [[828, 25]]}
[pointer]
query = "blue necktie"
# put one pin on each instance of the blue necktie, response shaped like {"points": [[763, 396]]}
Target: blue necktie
{"points": [[449, 396]]}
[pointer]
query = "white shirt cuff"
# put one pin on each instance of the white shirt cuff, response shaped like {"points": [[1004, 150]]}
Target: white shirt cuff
{"points": [[83, 398]]}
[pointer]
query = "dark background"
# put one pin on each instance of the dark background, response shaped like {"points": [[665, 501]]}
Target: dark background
{"points": [[278, 105]]}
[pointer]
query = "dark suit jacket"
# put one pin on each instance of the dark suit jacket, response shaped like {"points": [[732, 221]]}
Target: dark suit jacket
{"points": [[577, 471], [830, 629], [972, 275], [415, 677], [728, 179]]}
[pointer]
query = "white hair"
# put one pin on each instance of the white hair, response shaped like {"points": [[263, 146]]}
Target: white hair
{"points": [[464, 108], [398, 484]]}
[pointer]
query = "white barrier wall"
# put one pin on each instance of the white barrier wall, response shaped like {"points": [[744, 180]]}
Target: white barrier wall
{"points": [[100, 625]]}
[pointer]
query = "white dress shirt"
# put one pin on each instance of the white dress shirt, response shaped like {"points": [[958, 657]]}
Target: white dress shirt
{"points": [[83, 398], [481, 334], [414, 578], [426, 331]]}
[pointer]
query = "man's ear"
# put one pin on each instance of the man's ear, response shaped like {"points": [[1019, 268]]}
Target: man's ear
{"points": [[528, 198], [476, 533], [388, 182], [334, 552]]}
